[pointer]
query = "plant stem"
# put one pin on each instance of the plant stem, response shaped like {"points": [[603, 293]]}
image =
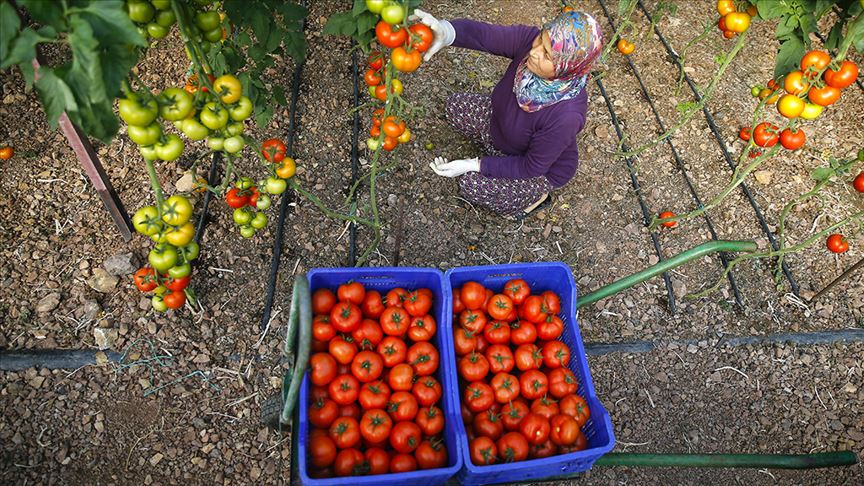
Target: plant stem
{"points": [[327, 211], [623, 23], [154, 183]]}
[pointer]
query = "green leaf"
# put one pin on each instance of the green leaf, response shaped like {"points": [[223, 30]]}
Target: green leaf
{"points": [[685, 106], [359, 8], [9, 25], [783, 30], [769, 9], [291, 12], [788, 56], [821, 173], [834, 37], [55, 94], [24, 49], [366, 22], [340, 24], [45, 13], [623, 5], [279, 95], [111, 23], [808, 23]]}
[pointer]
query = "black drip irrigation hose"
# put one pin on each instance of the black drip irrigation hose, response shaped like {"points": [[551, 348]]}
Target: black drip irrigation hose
{"points": [[287, 198], [17, 360], [634, 181], [208, 196], [731, 163], [355, 131], [724, 260]]}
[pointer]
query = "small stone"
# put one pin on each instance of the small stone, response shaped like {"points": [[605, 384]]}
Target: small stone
{"points": [[763, 176], [104, 338], [99, 426], [102, 281], [101, 358], [90, 310], [120, 264], [36, 382], [156, 458], [185, 183], [201, 359], [48, 303], [106, 323]]}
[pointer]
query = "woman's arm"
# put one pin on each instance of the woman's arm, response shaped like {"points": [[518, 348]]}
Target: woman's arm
{"points": [[545, 149], [501, 40]]}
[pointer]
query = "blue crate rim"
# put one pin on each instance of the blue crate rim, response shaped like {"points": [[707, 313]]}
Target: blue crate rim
{"points": [[452, 417]]}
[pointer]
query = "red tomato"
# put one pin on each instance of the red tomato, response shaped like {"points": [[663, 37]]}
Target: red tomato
{"points": [[550, 328], [345, 432], [431, 454], [430, 420], [843, 77], [528, 357], [427, 390], [405, 437], [551, 302], [401, 377], [388, 37], [483, 451], [518, 290], [497, 332], [375, 425], [345, 316], [499, 307], [744, 134], [368, 334], [344, 389], [418, 304], [422, 328], [322, 412], [145, 279], [513, 413], [473, 295], [323, 301], [488, 424], [322, 330], [403, 463], [546, 449], [351, 292], [473, 367], [564, 430], [824, 96], [464, 341], [323, 369], [342, 350], [396, 297], [479, 396], [792, 140], [378, 460], [403, 406], [421, 37], [533, 309], [836, 243], [367, 366], [500, 358], [576, 407], [523, 332], [512, 447], [562, 382], [395, 321], [813, 62], [458, 306], [555, 354], [349, 462], [505, 386], [545, 406], [393, 350], [858, 183], [424, 358], [765, 135], [535, 428], [472, 320], [373, 305], [533, 384], [375, 394], [322, 451]]}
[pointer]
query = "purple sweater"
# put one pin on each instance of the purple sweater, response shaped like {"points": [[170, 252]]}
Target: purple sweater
{"points": [[538, 143]]}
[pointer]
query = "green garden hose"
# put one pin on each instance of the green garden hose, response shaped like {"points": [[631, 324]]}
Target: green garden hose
{"points": [[299, 323], [771, 461], [664, 266]]}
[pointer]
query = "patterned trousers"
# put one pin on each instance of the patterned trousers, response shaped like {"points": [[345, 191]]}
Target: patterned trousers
{"points": [[471, 114]]}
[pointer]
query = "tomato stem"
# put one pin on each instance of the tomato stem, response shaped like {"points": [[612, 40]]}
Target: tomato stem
{"points": [[154, 183]]}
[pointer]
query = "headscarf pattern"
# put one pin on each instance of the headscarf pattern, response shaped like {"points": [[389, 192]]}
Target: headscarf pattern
{"points": [[576, 41]]}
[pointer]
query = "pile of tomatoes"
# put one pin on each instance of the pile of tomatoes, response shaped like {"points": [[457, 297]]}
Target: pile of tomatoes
{"points": [[374, 396], [407, 44], [170, 260], [731, 21], [519, 397]]}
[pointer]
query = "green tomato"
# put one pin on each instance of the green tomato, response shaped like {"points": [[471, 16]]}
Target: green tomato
{"points": [[158, 303], [861, 152], [145, 135], [275, 185], [193, 129], [242, 216], [191, 251], [213, 116], [171, 149], [234, 144], [176, 210], [148, 152], [241, 110], [235, 128], [146, 221], [393, 14], [161, 4], [755, 90], [162, 257], [166, 18], [263, 202], [259, 221], [372, 144], [134, 113], [244, 183], [140, 11], [180, 271], [375, 6], [207, 20], [247, 231], [372, 91], [214, 35], [156, 31], [162, 235], [216, 143], [175, 104]]}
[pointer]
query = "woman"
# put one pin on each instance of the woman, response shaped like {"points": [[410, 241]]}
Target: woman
{"points": [[528, 125]]}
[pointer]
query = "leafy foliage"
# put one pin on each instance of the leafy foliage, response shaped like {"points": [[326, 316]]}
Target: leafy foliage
{"points": [[797, 20], [359, 22], [103, 44]]}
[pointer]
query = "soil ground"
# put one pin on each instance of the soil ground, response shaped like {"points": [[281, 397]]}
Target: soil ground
{"points": [[187, 410]]}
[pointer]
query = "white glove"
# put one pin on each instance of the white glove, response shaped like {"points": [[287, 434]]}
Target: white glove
{"points": [[444, 32], [454, 168]]}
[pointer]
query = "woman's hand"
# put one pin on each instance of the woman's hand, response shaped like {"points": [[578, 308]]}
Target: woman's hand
{"points": [[445, 34], [454, 168]]}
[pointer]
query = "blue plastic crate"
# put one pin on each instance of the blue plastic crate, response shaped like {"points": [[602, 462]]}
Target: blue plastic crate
{"points": [[382, 280], [557, 277]]}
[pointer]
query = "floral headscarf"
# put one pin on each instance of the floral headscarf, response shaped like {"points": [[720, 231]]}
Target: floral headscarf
{"points": [[576, 42]]}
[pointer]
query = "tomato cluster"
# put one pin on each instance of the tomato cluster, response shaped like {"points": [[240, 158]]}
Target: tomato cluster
{"points": [[519, 397], [249, 206], [170, 259], [374, 396], [407, 44], [732, 21], [154, 19]]}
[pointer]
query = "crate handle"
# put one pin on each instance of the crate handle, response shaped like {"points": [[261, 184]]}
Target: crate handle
{"points": [[502, 275]]}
